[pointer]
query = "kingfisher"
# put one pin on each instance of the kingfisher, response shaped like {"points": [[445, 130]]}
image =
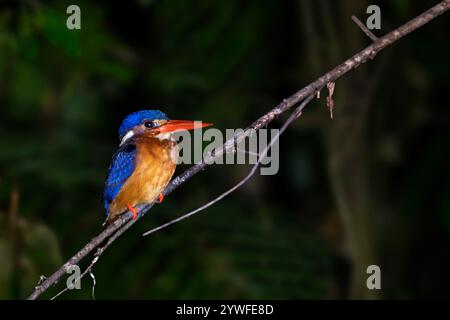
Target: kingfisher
{"points": [[144, 163]]}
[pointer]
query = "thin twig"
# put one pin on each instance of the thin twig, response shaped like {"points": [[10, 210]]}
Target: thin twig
{"points": [[121, 224], [329, 99], [93, 283], [366, 30], [88, 270], [295, 114]]}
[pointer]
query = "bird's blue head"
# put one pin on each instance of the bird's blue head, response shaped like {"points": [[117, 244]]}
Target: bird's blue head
{"points": [[138, 118]]}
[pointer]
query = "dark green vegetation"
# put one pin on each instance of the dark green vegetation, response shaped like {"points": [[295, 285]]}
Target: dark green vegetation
{"points": [[370, 187]]}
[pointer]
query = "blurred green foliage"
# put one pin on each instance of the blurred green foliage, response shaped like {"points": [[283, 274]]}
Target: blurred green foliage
{"points": [[63, 94]]}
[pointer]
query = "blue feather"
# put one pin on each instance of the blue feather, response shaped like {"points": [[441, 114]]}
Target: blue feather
{"points": [[121, 168]]}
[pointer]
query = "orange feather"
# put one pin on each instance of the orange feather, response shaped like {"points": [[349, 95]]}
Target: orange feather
{"points": [[155, 165]]}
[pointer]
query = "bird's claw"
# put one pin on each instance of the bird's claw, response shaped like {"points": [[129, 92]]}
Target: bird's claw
{"points": [[133, 211]]}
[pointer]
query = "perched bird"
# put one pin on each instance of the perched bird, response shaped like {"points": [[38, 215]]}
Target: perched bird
{"points": [[144, 163]]}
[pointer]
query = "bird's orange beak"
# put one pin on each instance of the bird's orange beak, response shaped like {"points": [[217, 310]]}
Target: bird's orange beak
{"points": [[178, 125]]}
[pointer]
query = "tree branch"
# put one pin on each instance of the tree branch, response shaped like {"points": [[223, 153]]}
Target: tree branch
{"points": [[361, 25], [123, 223]]}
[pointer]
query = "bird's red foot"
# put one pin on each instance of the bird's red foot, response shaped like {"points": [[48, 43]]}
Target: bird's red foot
{"points": [[133, 211], [160, 198]]}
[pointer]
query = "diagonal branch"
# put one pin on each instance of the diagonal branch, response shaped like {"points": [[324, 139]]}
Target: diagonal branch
{"points": [[121, 224]]}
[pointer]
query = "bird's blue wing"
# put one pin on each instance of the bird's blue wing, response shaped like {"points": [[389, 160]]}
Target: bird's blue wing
{"points": [[121, 168]]}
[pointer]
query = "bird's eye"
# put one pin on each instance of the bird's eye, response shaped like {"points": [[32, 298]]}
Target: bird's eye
{"points": [[149, 124]]}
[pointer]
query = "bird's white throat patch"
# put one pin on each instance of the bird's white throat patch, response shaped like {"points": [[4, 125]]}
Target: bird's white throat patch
{"points": [[126, 137]]}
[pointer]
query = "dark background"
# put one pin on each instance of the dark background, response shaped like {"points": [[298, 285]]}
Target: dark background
{"points": [[369, 187]]}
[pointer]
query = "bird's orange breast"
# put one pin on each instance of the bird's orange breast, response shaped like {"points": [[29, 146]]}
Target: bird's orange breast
{"points": [[154, 166]]}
